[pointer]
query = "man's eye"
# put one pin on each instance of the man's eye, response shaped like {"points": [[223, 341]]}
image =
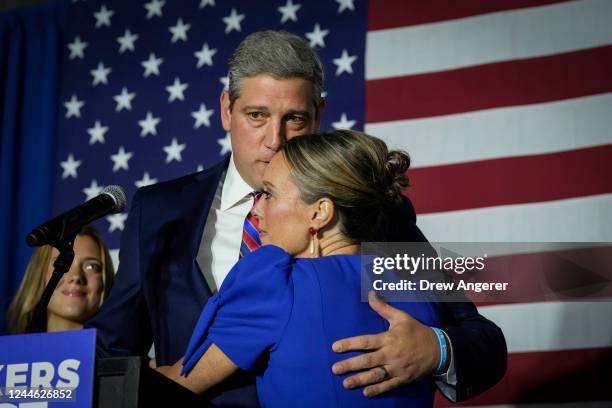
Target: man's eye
{"points": [[255, 115], [266, 194], [297, 119]]}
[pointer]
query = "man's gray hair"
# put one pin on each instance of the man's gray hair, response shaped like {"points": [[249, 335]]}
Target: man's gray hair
{"points": [[277, 53]]}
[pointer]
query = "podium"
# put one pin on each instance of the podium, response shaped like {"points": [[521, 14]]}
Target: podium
{"points": [[128, 382], [60, 370]]}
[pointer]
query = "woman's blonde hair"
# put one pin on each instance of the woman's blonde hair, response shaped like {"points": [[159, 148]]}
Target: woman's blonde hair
{"points": [[33, 283], [362, 177]]}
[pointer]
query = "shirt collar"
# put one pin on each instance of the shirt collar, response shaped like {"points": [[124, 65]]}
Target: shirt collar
{"points": [[235, 189]]}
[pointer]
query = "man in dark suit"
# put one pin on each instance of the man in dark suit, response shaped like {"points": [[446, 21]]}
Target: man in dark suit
{"points": [[183, 236]]}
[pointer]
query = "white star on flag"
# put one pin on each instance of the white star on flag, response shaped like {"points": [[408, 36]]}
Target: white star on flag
{"points": [[70, 167], [100, 74], [225, 81], [77, 48], [120, 159], [173, 151], [205, 55], [225, 143], [103, 16], [146, 180], [199, 168], [151, 65], [154, 8], [317, 36], [202, 116], [289, 11], [344, 63], [179, 31], [148, 125], [345, 5], [126, 41], [176, 90], [232, 22], [93, 190], [73, 107], [117, 221], [124, 99], [96, 133], [205, 3], [343, 123]]}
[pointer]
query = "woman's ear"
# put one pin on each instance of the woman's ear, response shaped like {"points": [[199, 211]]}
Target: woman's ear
{"points": [[323, 214]]}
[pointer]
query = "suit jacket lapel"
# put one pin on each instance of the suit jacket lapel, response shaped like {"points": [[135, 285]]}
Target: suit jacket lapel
{"points": [[201, 193]]}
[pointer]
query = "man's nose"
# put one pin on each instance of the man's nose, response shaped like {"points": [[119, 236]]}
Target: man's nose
{"points": [[275, 135]]}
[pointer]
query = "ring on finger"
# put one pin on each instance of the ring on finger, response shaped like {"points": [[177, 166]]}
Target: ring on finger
{"points": [[386, 374]]}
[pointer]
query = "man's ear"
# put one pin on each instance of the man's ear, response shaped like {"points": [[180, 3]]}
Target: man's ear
{"points": [[226, 113], [323, 215]]}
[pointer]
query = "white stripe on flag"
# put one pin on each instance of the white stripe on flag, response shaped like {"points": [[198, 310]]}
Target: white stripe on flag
{"points": [[114, 253], [503, 132], [553, 325], [584, 219], [493, 37]]}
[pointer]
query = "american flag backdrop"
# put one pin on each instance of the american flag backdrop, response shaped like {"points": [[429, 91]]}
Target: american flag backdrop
{"points": [[504, 106]]}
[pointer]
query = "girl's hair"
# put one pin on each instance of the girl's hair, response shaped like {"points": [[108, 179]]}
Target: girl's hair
{"points": [[33, 283]]}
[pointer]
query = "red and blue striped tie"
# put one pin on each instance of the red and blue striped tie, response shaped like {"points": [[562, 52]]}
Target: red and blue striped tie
{"points": [[250, 234]]}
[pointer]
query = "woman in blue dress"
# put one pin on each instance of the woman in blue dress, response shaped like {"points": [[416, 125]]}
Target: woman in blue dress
{"points": [[282, 307]]}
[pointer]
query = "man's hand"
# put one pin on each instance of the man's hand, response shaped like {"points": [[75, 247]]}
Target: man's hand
{"points": [[407, 352]]}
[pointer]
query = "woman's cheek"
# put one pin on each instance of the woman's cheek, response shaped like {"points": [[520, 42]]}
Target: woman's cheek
{"points": [[99, 284]]}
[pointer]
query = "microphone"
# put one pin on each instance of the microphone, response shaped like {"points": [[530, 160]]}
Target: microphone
{"points": [[112, 200]]}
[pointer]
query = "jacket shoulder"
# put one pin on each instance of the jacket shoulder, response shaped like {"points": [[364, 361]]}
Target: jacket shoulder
{"points": [[176, 185]]}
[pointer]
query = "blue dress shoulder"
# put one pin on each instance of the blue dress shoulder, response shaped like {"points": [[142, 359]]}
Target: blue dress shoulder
{"points": [[277, 317]]}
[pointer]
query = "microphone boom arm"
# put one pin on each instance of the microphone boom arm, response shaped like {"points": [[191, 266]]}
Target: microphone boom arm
{"points": [[38, 321]]}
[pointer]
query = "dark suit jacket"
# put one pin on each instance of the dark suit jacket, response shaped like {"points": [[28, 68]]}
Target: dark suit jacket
{"points": [[160, 290]]}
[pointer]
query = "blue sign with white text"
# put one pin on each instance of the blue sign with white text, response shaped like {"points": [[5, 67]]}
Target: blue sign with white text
{"points": [[47, 369]]}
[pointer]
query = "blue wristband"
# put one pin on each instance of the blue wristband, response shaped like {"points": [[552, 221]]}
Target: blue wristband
{"points": [[443, 350]]}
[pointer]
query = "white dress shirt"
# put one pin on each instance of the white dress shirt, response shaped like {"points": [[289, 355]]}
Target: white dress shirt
{"points": [[222, 237]]}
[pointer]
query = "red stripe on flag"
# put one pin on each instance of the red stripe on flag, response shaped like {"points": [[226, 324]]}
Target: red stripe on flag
{"points": [[398, 13], [550, 276], [554, 376], [517, 82], [512, 180]]}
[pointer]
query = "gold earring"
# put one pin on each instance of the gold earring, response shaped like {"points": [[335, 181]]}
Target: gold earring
{"points": [[312, 233]]}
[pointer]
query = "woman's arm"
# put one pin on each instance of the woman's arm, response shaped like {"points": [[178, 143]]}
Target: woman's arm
{"points": [[210, 370]]}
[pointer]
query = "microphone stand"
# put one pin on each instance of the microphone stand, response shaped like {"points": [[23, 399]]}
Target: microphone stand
{"points": [[38, 322]]}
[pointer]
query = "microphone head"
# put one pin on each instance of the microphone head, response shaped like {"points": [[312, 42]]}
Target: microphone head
{"points": [[118, 195]]}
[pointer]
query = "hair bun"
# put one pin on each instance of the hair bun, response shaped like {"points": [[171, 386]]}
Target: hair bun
{"points": [[396, 166]]}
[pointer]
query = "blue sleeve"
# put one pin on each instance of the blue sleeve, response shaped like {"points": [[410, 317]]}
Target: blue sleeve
{"points": [[247, 317]]}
